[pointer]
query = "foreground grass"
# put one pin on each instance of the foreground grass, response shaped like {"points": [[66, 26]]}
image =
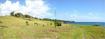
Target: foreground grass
{"points": [[16, 28]]}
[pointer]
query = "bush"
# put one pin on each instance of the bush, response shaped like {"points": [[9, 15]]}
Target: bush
{"points": [[1, 22], [12, 13], [1, 27], [57, 23], [47, 19], [50, 23], [96, 25], [18, 15], [27, 23], [35, 18], [27, 16]]}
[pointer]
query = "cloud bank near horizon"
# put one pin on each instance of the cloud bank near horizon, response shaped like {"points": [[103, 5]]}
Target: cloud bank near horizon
{"points": [[35, 8]]}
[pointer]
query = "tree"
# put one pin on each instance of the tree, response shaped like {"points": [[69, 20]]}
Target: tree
{"points": [[27, 16], [19, 15], [12, 13]]}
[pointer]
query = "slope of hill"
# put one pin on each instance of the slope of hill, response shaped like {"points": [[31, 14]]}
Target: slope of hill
{"points": [[23, 28]]}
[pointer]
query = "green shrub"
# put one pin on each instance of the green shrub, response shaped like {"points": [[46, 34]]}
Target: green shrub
{"points": [[57, 23], [12, 13], [50, 23], [18, 15], [47, 19], [27, 16], [96, 25], [1, 22], [27, 23], [35, 18], [2, 27], [36, 24]]}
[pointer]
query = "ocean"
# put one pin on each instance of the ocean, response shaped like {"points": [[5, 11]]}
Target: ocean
{"points": [[88, 23]]}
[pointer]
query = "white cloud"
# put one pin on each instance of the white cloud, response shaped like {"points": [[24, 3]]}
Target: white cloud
{"points": [[36, 8]]}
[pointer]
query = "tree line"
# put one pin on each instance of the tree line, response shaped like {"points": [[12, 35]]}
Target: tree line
{"points": [[20, 15], [56, 22]]}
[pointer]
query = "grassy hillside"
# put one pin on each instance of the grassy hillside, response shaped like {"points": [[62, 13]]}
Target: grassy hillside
{"points": [[17, 28]]}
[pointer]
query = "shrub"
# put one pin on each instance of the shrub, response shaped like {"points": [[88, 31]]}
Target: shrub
{"points": [[35, 18], [12, 13], [1, 22], [57, 23], [96, 25], [27, 23], [18, 15], [50, 23], [1, 27], [36, 24], [27, 16], [47, 19]]}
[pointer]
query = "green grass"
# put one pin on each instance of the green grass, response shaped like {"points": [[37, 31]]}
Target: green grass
{"points": [[16, 28]]}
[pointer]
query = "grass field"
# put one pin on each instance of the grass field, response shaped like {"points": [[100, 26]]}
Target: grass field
{"points": [[16, 28]]}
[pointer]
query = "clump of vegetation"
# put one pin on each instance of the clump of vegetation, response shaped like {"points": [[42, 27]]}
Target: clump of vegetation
{"points": [[48, 19], [35, 18], [57, 23], [1, 27], [18, 15], [35, 24], [50, 23], [27, 16], [96, 25], [12, 13], [1, 22], [27, 23]]}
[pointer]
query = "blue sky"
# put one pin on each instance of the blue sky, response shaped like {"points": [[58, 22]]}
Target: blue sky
{"points": [[76, 10], [80, 9]]}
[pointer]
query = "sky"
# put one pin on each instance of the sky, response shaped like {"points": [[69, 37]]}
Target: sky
{"points": [[72, 10]]}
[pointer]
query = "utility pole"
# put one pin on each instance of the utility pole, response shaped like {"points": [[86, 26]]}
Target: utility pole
{"points": [[55, 18]]}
